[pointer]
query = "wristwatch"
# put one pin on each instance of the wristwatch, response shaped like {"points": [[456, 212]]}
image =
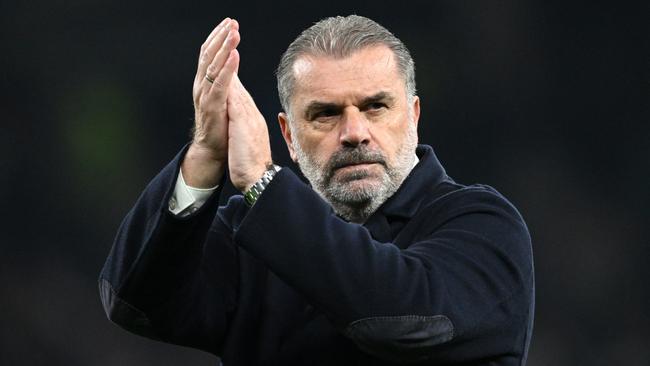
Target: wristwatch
{"points": [[251, 195]]}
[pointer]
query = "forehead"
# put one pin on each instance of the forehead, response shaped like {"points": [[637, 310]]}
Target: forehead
{"points": [[361, 74]]}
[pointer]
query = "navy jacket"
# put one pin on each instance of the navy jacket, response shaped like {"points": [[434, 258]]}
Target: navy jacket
{"points": [[441, 274]]}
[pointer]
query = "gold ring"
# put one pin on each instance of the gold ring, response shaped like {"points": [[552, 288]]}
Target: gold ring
{"points": [[209, 79]]}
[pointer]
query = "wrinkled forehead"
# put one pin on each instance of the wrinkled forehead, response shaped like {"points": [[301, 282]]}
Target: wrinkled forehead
{"points": [[333, 79]]}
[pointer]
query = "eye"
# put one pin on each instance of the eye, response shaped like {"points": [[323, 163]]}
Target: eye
{"points": [[324, 113], [375, 106]]}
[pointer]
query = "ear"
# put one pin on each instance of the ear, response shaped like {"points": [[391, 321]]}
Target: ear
{"points": [[283, 120], [416, 111]]}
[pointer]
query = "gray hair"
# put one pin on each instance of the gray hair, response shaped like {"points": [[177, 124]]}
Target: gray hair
{"points": [[339, 37]]}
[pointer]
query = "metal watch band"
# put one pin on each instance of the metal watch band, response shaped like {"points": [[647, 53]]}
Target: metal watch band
{"points": [[251, 196]]}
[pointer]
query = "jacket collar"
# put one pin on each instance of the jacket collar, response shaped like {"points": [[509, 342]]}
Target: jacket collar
{"points": [[406, 201], [427, 174]]}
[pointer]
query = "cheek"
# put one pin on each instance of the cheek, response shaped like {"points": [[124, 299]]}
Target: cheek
{"points": [[392, 138], [391, 135], [318, 144]]}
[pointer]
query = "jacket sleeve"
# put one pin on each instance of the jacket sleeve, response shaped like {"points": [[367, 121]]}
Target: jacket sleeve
{"points": [[154, 283], [462, 291]]}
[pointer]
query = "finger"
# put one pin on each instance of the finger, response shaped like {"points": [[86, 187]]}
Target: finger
{"points": [[241, 106], [216, 42], [238, 87], [229, 44], [208, 52], [234, 92], [203, 54], [225, 77], [234, 24], [214, 32], [242, 91]]}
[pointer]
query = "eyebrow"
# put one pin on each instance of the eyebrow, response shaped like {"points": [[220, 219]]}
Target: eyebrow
{"points": [[317, 106], [379, 97]]}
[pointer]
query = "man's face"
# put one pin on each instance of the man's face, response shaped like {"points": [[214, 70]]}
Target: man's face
{"points": [[353, 132]]}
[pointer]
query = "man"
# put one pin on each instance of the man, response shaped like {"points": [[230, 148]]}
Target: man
{"points": [[383, 260]]}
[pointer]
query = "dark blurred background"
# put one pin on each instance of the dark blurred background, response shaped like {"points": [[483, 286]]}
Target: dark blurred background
{"points": [[549, 102]]}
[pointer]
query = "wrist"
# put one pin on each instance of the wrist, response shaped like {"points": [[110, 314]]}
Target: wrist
{"points": [[252, 177], [201, 167], [255, 191], [202, 152]]}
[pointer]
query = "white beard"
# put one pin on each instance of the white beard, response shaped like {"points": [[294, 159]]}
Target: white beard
{"points": [[356, 202]]}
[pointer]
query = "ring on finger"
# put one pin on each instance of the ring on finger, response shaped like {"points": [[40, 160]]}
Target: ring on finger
{"points": [[209, 79]]}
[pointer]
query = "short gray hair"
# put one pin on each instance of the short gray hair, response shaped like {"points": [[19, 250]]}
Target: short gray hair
{"points": [[339, 37]]}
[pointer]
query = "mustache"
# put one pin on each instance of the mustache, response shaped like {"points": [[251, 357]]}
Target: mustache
{"points": [[357, 155]]}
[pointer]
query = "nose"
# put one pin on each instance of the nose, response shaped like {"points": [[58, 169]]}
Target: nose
{"points": [[355, 129]]}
